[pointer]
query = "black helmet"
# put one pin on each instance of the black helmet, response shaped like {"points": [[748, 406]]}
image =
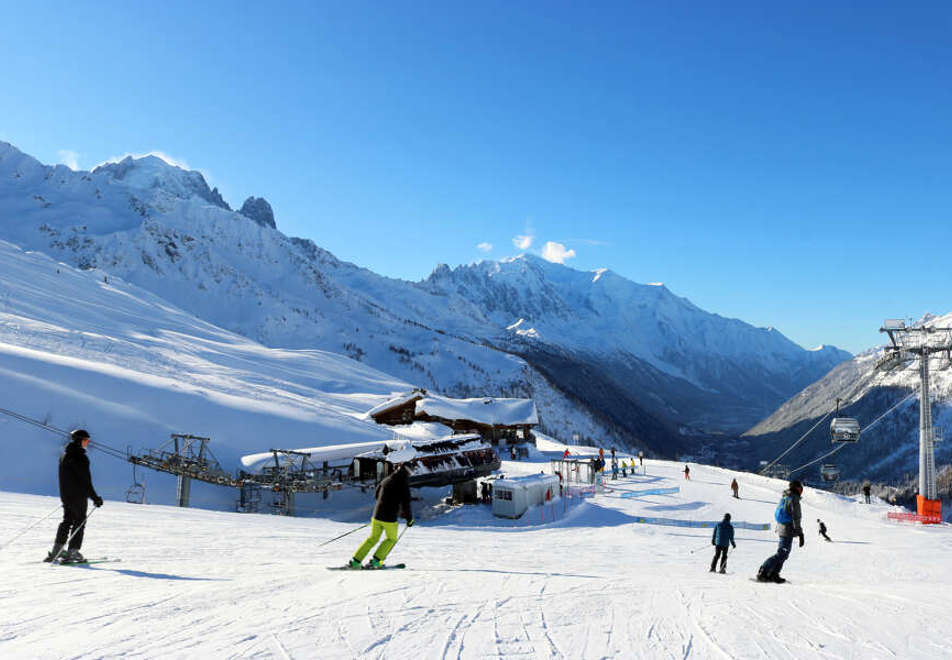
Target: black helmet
{"points": [[78, 435], [796, 485], [727, 516]]}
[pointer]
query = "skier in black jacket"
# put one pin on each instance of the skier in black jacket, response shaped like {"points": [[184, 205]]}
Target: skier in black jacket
{"points": [[76, 487], [393, 497]]}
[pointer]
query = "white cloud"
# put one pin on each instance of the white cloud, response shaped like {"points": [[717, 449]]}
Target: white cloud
{"points": [[485, 247], [69, 158], [523, 241], [556, 252]]}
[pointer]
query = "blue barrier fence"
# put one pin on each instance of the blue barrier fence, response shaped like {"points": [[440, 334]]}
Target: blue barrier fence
{"points": [[652, 491], [672, 522]]}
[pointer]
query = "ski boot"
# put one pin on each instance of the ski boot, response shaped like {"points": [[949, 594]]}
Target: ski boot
{"points": [[777, 579], [51, 555], [374, 563], [354, 564], [723, 571], [72, 557]]}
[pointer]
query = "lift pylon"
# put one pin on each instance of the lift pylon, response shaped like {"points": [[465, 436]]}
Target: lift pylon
{"points": [[921, 342]]}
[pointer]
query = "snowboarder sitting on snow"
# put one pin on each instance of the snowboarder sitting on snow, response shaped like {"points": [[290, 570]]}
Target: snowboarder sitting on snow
{"points": [[735, 487], [723, 534], [393, 497], [823, 530], [787, 516], [76, 487]]}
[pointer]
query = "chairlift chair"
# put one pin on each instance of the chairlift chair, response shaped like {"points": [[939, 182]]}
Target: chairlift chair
{"points": [[844, 429], [829, 472]]}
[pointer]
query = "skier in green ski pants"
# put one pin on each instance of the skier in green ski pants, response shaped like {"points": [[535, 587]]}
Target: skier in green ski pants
{"points": [[393, 497]]}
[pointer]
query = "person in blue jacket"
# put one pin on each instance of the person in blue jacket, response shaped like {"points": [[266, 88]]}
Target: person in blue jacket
{"points": [[723, 535]]}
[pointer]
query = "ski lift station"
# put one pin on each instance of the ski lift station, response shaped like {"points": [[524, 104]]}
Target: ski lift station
{"points": [[513, 497]]}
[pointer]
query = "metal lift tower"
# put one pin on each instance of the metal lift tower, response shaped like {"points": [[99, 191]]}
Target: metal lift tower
{"points": [[920, 342]]}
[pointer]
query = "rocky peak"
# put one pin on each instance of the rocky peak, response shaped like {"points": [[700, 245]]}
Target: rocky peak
{"points": [[258, 209], [152, 172]]}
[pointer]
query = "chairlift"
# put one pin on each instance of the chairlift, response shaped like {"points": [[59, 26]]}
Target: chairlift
{"points": [[843, 429], [136, 492], [829, 472]]}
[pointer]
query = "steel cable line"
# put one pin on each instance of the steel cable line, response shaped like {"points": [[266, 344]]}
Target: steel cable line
{"points": [[99, 446], [871, 425], [794, 445]]}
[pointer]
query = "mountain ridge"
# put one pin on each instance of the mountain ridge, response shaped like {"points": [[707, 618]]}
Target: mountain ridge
{"points": [[457, 331]]}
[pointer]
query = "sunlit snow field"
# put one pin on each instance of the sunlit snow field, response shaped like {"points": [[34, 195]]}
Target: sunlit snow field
{"points": [[197, 583]]}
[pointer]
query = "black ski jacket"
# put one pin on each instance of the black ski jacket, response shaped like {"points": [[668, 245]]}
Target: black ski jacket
{"points": [[75, 482], [393, 496]]}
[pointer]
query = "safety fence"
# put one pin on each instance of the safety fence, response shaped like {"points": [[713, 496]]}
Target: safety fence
{"points": [[914, 517], [652, 491], [674, 522]]}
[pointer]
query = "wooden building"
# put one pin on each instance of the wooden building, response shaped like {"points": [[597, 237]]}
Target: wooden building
{"points": [[496, 420]]}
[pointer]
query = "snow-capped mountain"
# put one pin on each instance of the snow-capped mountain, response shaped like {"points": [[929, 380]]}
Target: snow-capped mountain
{"points": [[886, 404], [604, 357], [698, 368]]}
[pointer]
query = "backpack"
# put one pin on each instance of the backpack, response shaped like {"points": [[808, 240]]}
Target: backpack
{"points": [[781, 515]]}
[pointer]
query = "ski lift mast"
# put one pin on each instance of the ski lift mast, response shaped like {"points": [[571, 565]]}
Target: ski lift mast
{"points": [[920, 342]]}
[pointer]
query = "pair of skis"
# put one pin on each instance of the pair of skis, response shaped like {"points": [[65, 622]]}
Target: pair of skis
{"points": [[85, 562], [385, 567]]}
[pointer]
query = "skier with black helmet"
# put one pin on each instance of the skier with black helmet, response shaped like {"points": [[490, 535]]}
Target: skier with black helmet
{"points": [[787, 516], [76, 487], [393, 497]]}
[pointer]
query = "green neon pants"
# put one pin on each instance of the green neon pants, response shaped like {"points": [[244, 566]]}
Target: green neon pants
{"points": [[377, 527]]}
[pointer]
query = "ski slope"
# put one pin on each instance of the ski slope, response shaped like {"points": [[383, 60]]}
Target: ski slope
{"points": [[83, 349], [594, 584]]}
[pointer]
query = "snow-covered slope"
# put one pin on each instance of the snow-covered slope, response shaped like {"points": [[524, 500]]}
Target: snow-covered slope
{"points": [[82, 349], [628, 361], [593, 584], [889, 444]]}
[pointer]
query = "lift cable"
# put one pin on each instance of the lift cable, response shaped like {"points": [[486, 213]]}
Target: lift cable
{"points": [[876, 421], [104, 448], [794, 445]]}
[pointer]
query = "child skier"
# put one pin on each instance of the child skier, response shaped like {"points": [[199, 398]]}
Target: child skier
{"points": [[787, 516], [76, 487], [723, 534], [393, 497]]}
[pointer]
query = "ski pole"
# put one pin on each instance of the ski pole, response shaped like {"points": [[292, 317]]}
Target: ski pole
{"points": [[357, 529], [70, 538], [699, 549], [30, 526], [401, 535]]}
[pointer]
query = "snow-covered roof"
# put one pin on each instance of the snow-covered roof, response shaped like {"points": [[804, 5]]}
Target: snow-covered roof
{"points": [[418, 433], [401, 451], [485, 410], [395, 402], [332, 454]]}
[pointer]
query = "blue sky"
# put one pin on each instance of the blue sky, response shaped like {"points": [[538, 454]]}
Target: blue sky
{"points": [[788, 165]]}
